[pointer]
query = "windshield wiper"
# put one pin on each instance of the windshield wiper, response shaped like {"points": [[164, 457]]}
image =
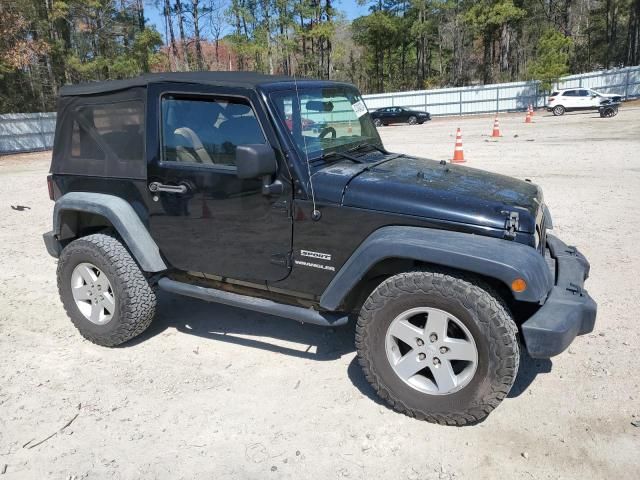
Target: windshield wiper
{"points": [[370, 145], [346, 156]]}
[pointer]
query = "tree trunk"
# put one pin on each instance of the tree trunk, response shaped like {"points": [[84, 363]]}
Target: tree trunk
{"points": [[195, 12], [173, 48], [186, 55]]}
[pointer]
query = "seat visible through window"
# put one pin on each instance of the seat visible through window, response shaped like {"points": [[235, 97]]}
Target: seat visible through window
{"points": [[207, 131]]}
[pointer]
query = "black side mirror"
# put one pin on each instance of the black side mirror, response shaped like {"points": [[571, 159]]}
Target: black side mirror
{"points": [[253, 161], [258, 160]]}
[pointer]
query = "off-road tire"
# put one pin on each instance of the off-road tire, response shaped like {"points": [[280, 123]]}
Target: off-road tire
{"points": [[134, 297], [474, 303], [558, 110]]}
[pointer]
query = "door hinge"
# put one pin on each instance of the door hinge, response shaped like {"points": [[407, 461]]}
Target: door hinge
{"points": [[282, 206], [511, 224], [281, 259]]}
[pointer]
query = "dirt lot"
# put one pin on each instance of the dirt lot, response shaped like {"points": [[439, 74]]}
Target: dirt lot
{"points": [[212, 392]]}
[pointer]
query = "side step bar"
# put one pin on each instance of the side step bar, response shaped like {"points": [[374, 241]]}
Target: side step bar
{"points": [[300, 314]]}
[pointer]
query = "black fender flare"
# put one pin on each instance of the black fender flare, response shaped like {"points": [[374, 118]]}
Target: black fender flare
{"points": [[123, 218], [503, 260]]}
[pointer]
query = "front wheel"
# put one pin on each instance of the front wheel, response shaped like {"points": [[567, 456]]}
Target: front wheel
{"points": [[558, 110], [377, 122], [438, 346], [412, 120]]}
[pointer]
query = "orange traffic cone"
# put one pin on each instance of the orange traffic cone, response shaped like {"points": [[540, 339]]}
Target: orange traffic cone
{"points": [[496, 128], [458, 153], [528, 117]]}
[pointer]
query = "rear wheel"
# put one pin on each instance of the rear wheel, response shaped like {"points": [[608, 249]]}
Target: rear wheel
{"points": [[558, 110], [412, 120], [438, 346], [103, 290]]}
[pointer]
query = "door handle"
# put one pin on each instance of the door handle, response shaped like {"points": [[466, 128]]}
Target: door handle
{"points": [[161, 187]]}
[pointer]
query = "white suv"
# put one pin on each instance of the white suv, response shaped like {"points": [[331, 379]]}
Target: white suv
{"points": [[561, 101]]}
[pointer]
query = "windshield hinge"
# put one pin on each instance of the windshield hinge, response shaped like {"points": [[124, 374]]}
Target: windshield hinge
{"points": [[511, 225]]}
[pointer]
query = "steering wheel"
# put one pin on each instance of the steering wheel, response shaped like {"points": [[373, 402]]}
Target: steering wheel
{"points": [[327, 130]]}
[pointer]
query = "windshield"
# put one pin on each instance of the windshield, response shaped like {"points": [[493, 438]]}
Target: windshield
{"points": [[325, 120]]}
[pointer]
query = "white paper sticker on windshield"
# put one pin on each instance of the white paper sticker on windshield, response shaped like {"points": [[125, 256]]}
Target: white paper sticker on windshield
{"points": [[359, 108]]}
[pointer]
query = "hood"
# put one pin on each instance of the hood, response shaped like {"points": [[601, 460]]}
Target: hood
{"points": [[426, 188], [609, 95]]}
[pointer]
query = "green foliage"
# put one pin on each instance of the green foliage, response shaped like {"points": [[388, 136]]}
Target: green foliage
{"points": [[552, 59], [62, 41], [488, 15]]}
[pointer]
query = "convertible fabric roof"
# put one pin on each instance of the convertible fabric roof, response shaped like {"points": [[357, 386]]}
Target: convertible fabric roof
{"points": [[241, 79]]}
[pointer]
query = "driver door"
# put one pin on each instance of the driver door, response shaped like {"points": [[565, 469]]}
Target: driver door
{"points": [[403, 115], [203, 217]]}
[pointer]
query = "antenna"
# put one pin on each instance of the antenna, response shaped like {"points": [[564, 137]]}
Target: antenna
{"points": [[315, 214]]}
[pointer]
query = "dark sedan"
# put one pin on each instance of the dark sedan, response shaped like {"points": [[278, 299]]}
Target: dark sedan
{"points": [[386, 116]]}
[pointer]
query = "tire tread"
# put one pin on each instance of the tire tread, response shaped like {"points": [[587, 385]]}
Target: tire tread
{"points": [[475, 294], [138, 300]]}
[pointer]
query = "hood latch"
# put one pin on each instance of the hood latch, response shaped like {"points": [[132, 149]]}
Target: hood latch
{"points": [[511, 225]]}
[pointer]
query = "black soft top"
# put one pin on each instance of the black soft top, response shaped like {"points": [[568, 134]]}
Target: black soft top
{"points": [[239, 79]]}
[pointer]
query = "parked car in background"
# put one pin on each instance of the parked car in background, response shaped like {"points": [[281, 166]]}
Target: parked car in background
{"points": [[389, 115], [571, 99]]}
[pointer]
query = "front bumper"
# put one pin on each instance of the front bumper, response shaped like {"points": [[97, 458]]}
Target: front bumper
{"points": [[568, 310]]}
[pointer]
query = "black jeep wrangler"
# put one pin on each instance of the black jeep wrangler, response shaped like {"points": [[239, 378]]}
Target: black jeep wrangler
{"points": [[213, 185]]}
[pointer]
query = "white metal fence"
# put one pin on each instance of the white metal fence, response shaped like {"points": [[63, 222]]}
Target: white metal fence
{"points": [[26, 132], [504, 97]]}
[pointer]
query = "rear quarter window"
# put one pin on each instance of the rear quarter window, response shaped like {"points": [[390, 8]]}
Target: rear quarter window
{"points": [[101, 136], [118, 127]]}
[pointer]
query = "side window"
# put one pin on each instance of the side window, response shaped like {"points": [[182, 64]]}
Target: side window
{"points": [[569, 93], [583, 93], [118, 127], [206, 131], [83, 145]]}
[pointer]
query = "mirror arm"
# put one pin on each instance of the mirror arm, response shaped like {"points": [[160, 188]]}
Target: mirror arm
{"points": [[271, 187]]}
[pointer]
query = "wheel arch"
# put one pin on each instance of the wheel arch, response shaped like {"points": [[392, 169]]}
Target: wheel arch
{"points": [[391, 266], [79, 213], [391, 250]]}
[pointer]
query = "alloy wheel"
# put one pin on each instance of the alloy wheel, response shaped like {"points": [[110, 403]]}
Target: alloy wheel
{"points": [[93, 293], [431, 350]]}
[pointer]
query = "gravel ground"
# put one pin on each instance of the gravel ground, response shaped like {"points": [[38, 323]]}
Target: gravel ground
{"points": [[215, 392]]}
